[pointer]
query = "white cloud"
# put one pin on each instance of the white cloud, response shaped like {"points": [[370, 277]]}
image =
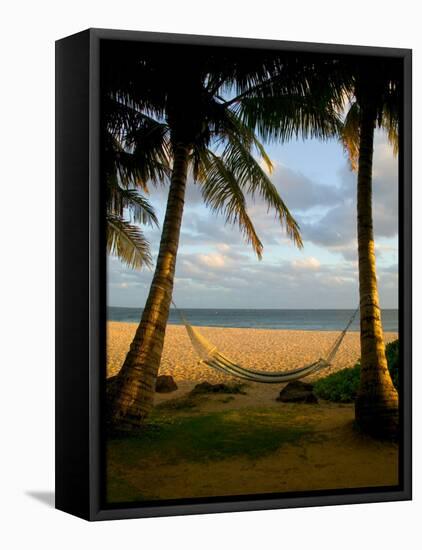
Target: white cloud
{"points": [[310, 263], [212, 260], [216, 268]]}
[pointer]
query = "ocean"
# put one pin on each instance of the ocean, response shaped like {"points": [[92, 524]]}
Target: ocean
{"points": [[287, 319]]}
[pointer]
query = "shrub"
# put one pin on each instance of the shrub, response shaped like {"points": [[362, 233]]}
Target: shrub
{"points": [[392, 352], [342, 386]]}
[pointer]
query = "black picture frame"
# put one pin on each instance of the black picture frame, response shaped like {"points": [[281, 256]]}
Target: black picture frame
{"points": [[80, 284]]}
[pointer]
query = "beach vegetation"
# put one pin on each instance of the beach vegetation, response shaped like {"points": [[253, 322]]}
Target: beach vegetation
{"points": [[204, 118], [126, 206], [393, 359], [343, 386], [205, 121], [340, 386], [170, 439], [251, 433]]}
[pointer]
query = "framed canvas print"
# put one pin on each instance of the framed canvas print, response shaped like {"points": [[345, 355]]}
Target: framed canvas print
{"points": [[233, 274]]}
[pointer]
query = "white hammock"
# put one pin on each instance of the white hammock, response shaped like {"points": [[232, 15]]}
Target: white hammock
{"points": [[210, 356]]}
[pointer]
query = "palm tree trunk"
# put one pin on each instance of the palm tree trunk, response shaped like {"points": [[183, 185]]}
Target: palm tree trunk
{"points": [[132, 395], [376, 405]]}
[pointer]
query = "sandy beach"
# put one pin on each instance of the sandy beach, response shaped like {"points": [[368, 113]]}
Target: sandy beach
{"points": [[266, 349], [317, 446]]}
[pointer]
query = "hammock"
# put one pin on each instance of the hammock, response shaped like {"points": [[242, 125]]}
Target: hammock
{"points": [[211, 357]]}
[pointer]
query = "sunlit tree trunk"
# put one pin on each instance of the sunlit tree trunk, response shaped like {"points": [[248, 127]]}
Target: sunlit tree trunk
{"points": [[376, 406], [132, 395]]}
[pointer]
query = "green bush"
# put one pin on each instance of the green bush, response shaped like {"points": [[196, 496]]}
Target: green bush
{"points": [[392, 353], [342, 386]]}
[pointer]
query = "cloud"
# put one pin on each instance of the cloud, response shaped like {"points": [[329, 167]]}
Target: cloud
{"points": [[206, 228], [216, 268], [310, 263], [231, 279], [203, 227], [336, 229], [301, 193], [264, 284], [212, 260]]}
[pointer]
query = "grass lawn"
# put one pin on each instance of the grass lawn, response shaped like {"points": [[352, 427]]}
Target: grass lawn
{"points": [[204, 446]]}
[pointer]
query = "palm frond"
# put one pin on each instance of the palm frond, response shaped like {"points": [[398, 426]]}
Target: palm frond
{"points": [[307, 75], [137, 147], [285, 117], [237, 132], [239, 160], [223, 194], [149, 144], [350, 135], [138, 207], [390, 122], [127, 242], [379, 81], [222, 106]]}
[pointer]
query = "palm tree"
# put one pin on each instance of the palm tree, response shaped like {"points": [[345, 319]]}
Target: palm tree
{"points": [[195, 108], [376, 104]]}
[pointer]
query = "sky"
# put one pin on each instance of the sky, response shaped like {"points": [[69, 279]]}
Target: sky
{"points": [[216, 268]]}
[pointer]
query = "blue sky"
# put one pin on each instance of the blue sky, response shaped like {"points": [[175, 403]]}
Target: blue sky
{"points": [[216, 268]]}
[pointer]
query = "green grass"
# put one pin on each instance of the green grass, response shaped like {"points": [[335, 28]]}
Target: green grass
{"points": [[209, 437], [342, 386]]}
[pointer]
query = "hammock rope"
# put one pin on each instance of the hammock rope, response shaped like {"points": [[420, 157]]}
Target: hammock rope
{"points": [[212, 357]]}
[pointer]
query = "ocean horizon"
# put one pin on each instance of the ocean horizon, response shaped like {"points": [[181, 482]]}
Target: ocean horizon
{"points": [[285, 319]]}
